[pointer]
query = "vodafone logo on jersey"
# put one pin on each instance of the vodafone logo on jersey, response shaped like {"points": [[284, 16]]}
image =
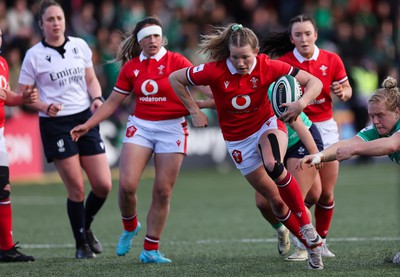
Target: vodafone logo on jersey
{"points": [[241, 102], [3, 82], [149, 87]]}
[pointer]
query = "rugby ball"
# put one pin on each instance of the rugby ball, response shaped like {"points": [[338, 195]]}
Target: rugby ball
{"points": [[285, 90]]}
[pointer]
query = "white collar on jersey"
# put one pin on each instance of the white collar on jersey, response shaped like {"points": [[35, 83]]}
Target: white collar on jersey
{"points": [[301, 59], [233, 70], [157, 56]]}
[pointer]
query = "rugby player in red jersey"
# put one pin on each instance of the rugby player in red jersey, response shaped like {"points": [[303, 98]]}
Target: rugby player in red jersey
{"points": [[157, 128], [297, 47], [8, 250], [256, 140]]}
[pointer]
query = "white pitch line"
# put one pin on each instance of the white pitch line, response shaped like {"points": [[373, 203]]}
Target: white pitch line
{"points": [[216, 241]]}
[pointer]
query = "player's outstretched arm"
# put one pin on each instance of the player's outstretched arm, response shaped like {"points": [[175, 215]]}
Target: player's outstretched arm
{"points": [[330, 153], [379, 147], [103, 112]]}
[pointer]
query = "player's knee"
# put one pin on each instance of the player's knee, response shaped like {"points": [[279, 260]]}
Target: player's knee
{"points": [[103, 190], [310, 203], [162, 195], [325, 199], [312, 197], [275, 168], [4, 182], [262, 203], [279, 208]]}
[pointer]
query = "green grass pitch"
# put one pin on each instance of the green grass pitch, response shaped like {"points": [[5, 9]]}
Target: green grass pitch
{"points": [[214, 229]]}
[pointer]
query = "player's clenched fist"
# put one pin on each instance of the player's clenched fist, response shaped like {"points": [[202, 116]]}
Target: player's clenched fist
{"points": [[30, 95]]}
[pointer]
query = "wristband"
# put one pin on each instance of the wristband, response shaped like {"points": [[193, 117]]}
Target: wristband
{"points": [[101, 98], [48, 108]]}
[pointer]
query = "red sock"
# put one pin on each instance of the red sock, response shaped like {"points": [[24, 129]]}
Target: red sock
{"points": [[291, 195], [323, 218], [150, 243], [6, 239], [130, 223], [293, 225]]}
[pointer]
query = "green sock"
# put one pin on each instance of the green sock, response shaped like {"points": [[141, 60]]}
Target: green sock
{"points": [[278, 226]]}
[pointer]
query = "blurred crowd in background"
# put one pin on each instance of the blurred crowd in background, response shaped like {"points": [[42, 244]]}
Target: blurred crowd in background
{"points": [[365, 33]]}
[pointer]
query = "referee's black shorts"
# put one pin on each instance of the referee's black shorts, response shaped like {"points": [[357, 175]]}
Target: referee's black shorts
{"points": [[57, 141]]}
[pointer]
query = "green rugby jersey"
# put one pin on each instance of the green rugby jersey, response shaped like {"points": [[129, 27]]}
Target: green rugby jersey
{"points": [[370, 133]]}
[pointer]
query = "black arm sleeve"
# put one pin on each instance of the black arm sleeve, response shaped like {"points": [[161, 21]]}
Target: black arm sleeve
{"points": [[295, 71]]}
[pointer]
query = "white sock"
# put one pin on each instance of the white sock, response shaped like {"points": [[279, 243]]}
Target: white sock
{"points": [[281, 229]]}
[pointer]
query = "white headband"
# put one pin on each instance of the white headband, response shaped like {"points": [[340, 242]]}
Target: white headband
{"points": [[147, 31]]}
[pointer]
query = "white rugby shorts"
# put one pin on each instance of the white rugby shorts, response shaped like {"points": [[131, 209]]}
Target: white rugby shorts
{"points": [[3, 149], [164, 136], [329, 131], [245, 153]]}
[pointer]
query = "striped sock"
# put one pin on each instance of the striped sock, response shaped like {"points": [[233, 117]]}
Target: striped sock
{"points": [[150, 243]]}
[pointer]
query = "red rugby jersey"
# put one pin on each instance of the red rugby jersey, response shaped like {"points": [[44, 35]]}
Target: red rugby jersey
{"points": [[241, 100], [326, 66], [148, 79]]}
